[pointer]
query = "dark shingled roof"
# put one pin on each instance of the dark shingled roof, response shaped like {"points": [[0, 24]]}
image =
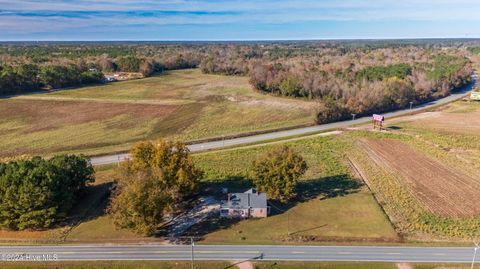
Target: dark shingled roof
{"points": [[248, 199]]}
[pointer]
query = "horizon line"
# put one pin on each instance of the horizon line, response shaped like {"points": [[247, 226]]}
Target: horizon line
{"points": [[244, 40]]}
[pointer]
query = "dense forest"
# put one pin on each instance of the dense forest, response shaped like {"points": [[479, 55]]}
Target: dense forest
{"points": [[344, 77], [348, 79], [361, 82]]}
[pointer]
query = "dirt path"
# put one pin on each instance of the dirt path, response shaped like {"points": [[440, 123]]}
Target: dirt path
{"points": [[442, 190]]}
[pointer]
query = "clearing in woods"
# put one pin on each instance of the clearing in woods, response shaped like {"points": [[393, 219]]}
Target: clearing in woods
{"points": [[183, 104], [442, 190]]}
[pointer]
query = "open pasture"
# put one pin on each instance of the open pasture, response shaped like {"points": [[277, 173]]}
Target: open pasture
{"points": [[185, 104]]}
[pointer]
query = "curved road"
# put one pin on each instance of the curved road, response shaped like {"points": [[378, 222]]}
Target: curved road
{"points": [[294, 132], [239, 252]]}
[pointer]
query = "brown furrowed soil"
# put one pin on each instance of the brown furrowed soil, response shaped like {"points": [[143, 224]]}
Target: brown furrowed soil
{"points": [[45, 115], [442, 190]]}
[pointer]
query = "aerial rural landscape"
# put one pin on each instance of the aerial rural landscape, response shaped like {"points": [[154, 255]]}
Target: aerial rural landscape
{"points": [[166, 140]]}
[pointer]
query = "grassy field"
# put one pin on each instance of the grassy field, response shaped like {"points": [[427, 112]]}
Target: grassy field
{"points": [[331, 205], [185, 104]]}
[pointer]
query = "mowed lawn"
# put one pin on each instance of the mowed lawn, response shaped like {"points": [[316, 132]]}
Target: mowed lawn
{"points": [[331, 205], [184, 104]]}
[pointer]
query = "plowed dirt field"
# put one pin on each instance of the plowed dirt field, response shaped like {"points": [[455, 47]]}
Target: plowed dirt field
{"points": [[442, 190]]}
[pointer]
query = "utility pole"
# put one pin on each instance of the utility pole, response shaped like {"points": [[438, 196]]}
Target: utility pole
{"points": [[474, 254], [411, 104], [193, 257]]}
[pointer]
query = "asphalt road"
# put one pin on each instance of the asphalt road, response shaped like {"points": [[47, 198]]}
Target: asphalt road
{"points": [[240, 252], [293, 132]]}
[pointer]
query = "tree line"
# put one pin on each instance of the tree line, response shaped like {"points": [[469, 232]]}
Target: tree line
{"points": [[347, 80], [31, 77], [372, 89]]}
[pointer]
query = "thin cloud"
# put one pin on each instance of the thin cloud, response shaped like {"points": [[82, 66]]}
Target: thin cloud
{"points": [[61, 16]]}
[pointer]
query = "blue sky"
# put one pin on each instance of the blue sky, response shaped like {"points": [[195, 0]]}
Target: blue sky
{"points": [[236, 19]]}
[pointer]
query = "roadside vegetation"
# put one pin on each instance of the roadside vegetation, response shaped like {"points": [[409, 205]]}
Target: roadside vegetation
{"points": [[329, 195], [225, 265], [117, 265], [356, 265]]}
